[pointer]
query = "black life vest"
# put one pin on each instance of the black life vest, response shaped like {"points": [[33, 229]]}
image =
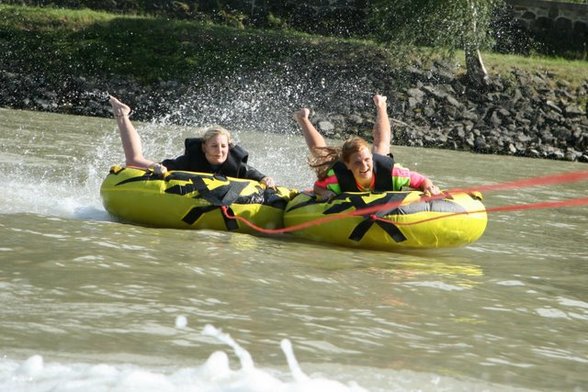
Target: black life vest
{"points": [[383, 165], [195, 160]]}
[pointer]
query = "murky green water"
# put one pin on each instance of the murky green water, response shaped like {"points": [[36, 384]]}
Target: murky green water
{"points": [[510, 311]]}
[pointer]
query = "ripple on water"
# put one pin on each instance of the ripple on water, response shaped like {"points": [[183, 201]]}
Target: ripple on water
{"points": [[559, 353], [510, 283], [552, 313], [573, 302], [435, 285]]}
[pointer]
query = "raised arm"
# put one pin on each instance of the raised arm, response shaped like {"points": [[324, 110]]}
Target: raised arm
{"points": [[382, 132], [129, 136], [313, 138]]}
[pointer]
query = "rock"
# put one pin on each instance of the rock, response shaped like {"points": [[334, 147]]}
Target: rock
{"points": [[573, 111], [325, 126], [553, 106], [572, 155], [355, 119], [416, 94], [517, 96], [469, 115], [453, 102], [526, 114], [557, 154], [413, 102], [495, 120]]}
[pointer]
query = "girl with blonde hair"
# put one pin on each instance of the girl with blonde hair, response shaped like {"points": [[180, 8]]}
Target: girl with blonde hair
{"points": [[214, 152]]}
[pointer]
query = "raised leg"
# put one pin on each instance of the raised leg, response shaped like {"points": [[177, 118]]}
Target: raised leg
{"points": [[129, 136]]}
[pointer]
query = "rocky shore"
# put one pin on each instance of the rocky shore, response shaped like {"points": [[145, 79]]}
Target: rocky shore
{"points": [[522, 114]]}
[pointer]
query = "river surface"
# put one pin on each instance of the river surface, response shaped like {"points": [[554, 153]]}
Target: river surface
{"points": [[91, 304]]}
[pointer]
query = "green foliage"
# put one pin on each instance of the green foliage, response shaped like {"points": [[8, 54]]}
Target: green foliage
{"points": [[233, 18], [275, 22], [53, 42], [441, 24], [446, 24], [57, 42]]}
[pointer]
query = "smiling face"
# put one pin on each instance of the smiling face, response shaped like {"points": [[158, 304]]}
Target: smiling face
{"points": [[216, 149], [360, 163]]}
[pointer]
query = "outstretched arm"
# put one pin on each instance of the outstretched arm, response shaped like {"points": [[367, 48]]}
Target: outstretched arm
{"points": [[252, 173], [382, 132], [313, 138], [404, 177], [322, 193], [129, 136]]}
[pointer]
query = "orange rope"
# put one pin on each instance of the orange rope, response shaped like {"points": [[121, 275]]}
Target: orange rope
{"points": [[529, 182], [300, 226]]}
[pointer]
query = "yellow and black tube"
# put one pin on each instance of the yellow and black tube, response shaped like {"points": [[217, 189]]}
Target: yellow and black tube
{"points": [[405, 220], [189, 200]]}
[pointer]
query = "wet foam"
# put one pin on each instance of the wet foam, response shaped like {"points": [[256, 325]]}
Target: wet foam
{"points": [[215, 374]]}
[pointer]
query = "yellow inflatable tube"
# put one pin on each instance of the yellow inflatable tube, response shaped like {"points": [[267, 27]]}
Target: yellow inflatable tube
{"points": [[188, 200], [392, 220]]}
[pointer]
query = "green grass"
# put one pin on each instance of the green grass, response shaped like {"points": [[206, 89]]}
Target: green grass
{"points": [[574, 72], [50, 19], [49, 40]]}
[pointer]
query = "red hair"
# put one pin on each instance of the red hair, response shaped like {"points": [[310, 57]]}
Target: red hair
{"points": [[325, 157]]}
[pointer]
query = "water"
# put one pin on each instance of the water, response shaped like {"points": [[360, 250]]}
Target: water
{"points": [[90, 304]]}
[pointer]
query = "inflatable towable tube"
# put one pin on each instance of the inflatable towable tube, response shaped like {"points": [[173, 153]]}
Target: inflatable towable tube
{"points": [[403, 221], [189, 200]]}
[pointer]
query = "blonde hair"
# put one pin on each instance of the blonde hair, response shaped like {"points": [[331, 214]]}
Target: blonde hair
{"points": [[324, 157], [217, 130]]}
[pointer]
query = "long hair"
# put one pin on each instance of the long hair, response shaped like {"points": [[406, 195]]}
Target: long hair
{"points": [[324, 157]]}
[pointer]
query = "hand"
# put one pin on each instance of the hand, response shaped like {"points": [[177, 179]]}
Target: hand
{"points": [[325, 196], [159, 169], [380, 100], [268, 182], [301, 114], [430, 189]]}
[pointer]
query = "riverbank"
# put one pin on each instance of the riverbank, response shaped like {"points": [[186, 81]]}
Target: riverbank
{"points": [[256, 79]]}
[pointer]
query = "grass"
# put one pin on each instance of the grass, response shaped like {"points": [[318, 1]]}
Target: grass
{"points": [[147, 48], [575, 72], [49, 40]]}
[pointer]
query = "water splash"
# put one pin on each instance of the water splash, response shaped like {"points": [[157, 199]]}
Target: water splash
{"points": [[264, 100], [297, 372], [214, 375], [242, 354]]}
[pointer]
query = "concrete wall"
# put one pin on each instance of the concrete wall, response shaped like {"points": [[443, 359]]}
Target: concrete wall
{"points": [[567, 19]]}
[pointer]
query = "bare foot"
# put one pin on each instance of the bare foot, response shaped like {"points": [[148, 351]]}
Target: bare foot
{"points": [[118, 108], [301, 114]]}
